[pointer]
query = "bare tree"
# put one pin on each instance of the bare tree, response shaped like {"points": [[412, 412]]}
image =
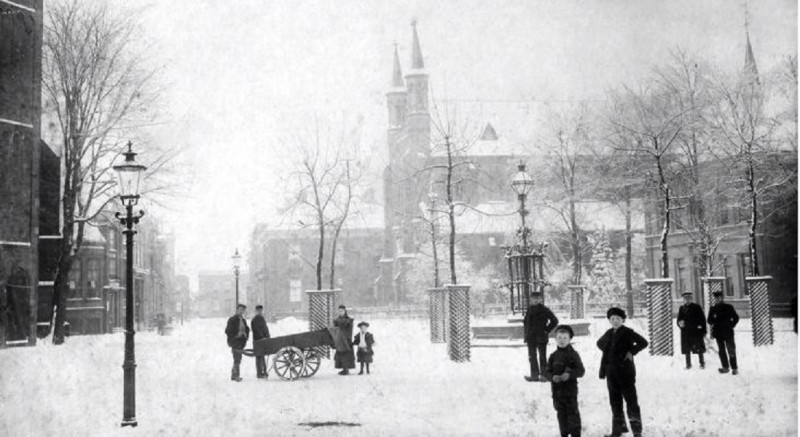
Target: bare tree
{"points": [[747, 142], [325, 185], [96, 84], [648, 122], [567, 149]]}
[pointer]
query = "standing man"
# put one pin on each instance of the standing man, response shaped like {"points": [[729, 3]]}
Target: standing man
{"points": [[539, 321], [723, 318], [237, 332], [619, 344], [692, 323], [260, 331]]}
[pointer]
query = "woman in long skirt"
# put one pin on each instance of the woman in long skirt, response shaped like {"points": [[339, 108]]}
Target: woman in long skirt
{"points": [[344, 358]]}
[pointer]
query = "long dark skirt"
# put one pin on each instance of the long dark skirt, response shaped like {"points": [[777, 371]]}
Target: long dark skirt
{"points": [[344, 360], [364, 356]]}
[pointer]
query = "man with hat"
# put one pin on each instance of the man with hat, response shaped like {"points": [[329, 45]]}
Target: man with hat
{"points": [[260, 331], [538, 323], [692, 323], [619, 344], [723, 318], [237, 332]]}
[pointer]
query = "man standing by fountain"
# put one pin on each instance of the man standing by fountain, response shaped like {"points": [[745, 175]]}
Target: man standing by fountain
{"points": [[539, 321]]}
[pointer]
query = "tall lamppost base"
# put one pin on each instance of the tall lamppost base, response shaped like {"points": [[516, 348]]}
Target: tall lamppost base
{"points": [[132, 423]]}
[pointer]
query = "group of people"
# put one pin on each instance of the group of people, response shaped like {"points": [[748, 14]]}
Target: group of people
{"points": [[618, 345], [238, 333]]}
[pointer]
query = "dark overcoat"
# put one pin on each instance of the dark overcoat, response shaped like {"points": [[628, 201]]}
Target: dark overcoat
{"points": [[260, 329], [615, 347], [565, 360], [539, 321], [344, 358], [694, 328], [722, 318], [364, 355], [232, 329]]}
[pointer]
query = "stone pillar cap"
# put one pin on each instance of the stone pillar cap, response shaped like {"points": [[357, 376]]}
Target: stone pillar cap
{"points": [[758, 278], [658, 280]]}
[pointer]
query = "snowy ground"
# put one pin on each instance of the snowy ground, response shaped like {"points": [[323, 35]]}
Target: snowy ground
{"points": [[183, 389]]}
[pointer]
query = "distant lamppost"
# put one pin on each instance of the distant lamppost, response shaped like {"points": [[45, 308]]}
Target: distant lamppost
{"points": [[522, 184], [525, 261], [237, 260], [129, 174]]}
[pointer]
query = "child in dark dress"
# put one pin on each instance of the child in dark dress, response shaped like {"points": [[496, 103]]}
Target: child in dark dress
{"points": [[364, 341]]}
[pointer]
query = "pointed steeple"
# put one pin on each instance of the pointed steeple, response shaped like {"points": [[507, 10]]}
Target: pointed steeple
{"points": [[750, 60], [416, 54], [489, 134], [397, 73]]}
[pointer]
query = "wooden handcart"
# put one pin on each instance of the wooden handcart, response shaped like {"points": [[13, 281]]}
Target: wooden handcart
{"points": [[294, 356]]}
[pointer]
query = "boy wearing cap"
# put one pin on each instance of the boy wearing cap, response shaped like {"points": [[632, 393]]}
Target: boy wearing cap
{"points": [[619, 344], [538, 323], [364, 341], [565, 367], [723, 318], [692, 323], [260, 331]]}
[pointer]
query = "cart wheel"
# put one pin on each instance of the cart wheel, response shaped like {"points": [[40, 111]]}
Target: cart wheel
{"points": [[312, 363], [289, 363]]}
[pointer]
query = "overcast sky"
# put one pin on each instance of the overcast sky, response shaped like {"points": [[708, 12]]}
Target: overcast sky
{"points": [[242, 76]]}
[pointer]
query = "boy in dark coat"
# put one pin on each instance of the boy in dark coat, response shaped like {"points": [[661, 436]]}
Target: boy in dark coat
{"points": [[723, 318], [237, 332], [260, 331], [344, 358], [539, 321], [564, 368], [619, 344], [692, 323], [364, 341]]}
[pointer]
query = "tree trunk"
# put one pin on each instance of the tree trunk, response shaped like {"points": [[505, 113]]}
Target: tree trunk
{"points": [[665, 230], [576, 244], [753, 217], [436, 281], [628, 257], [334, 242], [451, 212], [321, 252]]}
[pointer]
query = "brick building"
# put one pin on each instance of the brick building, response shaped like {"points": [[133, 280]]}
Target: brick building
{"points": [[217, 293]]}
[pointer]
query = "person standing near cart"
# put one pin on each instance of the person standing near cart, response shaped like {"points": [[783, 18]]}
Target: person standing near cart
{"points": [[237, 332], [260, 331], [539, 321], [344, 358]]}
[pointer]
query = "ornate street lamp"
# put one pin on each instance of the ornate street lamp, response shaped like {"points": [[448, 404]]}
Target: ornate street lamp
{"points": [[237, 262], [525, 261], [522, 184], [129, 175]]}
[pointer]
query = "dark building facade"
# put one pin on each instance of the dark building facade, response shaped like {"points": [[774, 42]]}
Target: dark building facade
{"points": [[20, 116]]}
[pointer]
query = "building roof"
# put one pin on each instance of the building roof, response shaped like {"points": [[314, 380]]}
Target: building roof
{"points": [[397, 73], [417, 63]]}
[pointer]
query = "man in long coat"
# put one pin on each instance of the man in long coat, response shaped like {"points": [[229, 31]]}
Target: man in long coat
{"points": [[723, 318], [344, 358], [692, 323], [237, 332], [260, 331], [539, 321]]}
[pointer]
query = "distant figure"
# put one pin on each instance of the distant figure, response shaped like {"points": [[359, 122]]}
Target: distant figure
{"points": [[364, 341], [344, 358], [723, 318], [260, 331], [161, 322], [237, 332], [619, 344], [564, 368], [692, 322], [539, 321]]}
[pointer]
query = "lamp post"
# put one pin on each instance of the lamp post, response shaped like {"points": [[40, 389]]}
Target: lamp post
{"points": [[129, 174], [522, 184], [237, 259]]}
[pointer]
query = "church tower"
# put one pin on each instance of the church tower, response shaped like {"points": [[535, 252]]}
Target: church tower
{"points": [[418, 116]]}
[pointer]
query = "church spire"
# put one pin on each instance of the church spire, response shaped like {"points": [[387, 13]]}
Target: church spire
{"points": [[749, 60], [416, 54], [397, 73]]}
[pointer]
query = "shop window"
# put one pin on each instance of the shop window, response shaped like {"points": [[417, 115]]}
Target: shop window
{"points": [[93, 284]]}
